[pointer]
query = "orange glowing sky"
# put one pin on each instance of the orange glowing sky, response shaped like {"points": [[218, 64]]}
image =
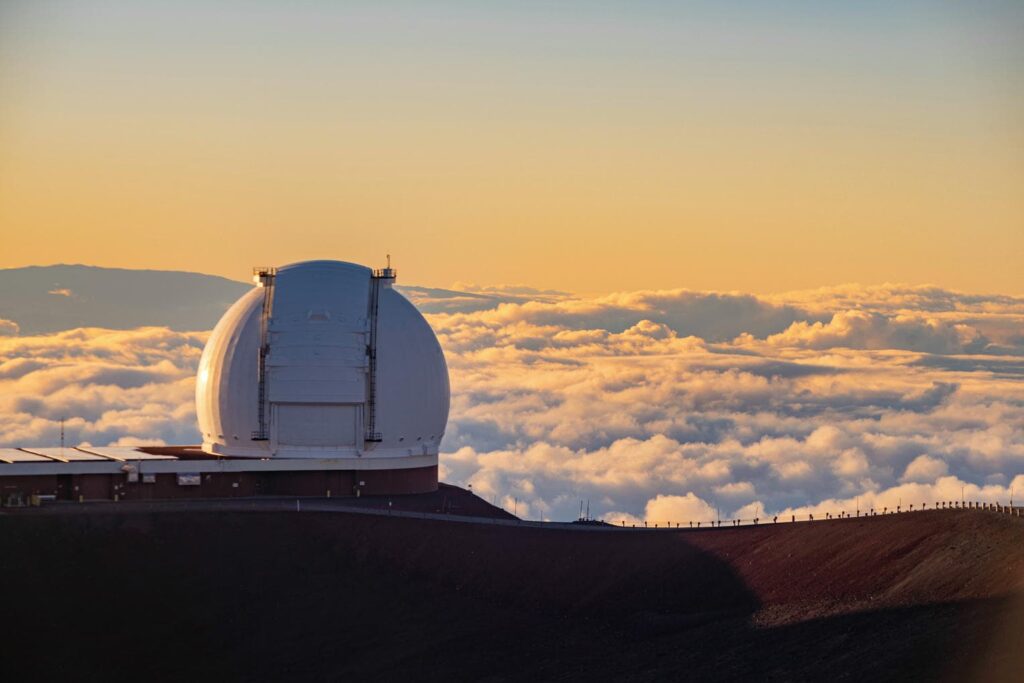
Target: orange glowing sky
{"points": [[581, 146]]}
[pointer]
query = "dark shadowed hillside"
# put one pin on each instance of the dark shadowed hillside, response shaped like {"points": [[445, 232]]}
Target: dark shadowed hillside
{"points": [[264, 595]]}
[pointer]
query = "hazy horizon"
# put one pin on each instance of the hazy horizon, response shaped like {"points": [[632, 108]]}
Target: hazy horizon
{"points": [[477, 287]]}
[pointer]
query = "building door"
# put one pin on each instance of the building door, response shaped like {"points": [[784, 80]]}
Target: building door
{"points": [[65, 488]]}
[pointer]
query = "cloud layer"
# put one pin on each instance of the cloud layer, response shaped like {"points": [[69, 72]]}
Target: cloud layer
{"points": [[111, 386], [679, 403], [665, 405]]}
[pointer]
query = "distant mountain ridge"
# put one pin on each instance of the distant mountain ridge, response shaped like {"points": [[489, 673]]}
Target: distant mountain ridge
{"points": [[42, 299], [45, 299]]}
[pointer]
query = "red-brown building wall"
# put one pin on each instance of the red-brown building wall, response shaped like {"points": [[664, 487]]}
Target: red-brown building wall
{"points": [[20, 488], [220, 485]]}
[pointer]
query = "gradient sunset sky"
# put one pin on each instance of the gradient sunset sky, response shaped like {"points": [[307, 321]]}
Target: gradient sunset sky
{"points": [[583, 146]]}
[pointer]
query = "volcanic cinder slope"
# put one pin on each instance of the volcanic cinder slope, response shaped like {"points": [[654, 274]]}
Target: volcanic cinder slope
{"points": [[183, 593]]}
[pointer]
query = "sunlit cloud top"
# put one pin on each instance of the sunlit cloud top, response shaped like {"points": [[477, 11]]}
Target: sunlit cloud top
{"points": [[670, 405]]}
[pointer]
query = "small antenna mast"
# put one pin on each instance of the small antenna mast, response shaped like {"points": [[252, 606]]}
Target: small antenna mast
{"points": [[62, 436]]}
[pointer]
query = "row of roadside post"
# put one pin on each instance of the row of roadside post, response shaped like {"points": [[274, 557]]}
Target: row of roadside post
{"points": [[1016, 511]]}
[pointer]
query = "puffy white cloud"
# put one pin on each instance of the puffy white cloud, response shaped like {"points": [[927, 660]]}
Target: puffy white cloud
{"points": [[712, 316], [110, 385], [8, 328], [998, 317], [872, 330], [925, 469], [851, 463], [679, 510], [654, 405], [616, 400], [735, 489]]}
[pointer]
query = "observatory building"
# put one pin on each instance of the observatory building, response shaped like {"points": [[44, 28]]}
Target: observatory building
{"points": [[321, 380]]}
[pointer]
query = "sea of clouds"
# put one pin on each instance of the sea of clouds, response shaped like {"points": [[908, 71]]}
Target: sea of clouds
{"points": [[669, 406]]}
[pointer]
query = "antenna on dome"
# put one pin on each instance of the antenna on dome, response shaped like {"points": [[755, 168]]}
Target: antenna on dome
{"points": [[386, 274]]}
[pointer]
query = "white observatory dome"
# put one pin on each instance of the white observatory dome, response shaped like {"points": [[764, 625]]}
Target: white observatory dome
{"points": [[323, 359]]}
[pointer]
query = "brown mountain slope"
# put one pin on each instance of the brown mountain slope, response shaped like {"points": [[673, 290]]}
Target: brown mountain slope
{"points": [[261, 595]]}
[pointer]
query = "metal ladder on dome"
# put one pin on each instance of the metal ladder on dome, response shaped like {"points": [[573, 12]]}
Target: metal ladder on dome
{"points": [[265, 278], [377, 278]]}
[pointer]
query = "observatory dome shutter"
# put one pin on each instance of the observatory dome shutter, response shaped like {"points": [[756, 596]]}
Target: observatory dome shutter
{"points": [[315, 425], [318, 336]]}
